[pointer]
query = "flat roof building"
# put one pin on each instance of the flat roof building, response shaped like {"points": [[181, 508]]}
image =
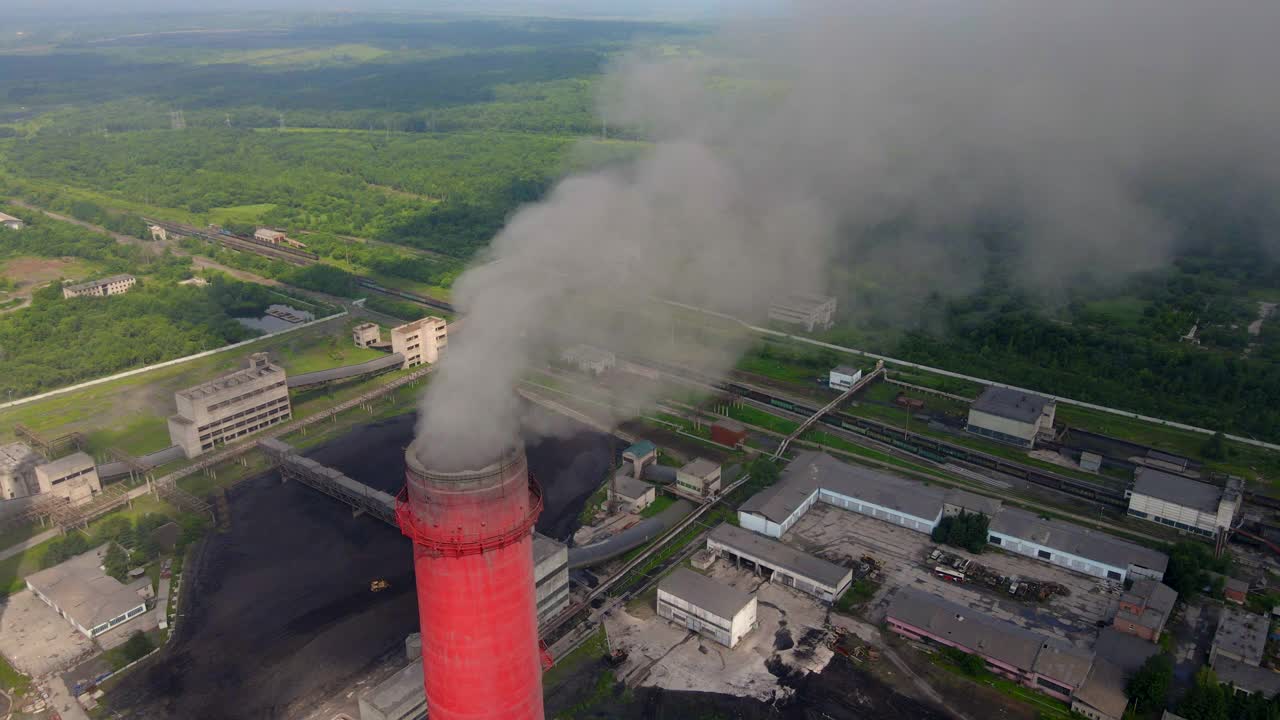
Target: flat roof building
{"points": [[420, 341], [11, 222], [590, 359], [630, 494], [74, 477], [707, 607], [550, 578], [698, 479], [114, 285], [92, 601], [1180, 502], [399, 697], [1247, 678], [807, 309], [1074, 547], [1241, 636], [1102, 696], [230, 407], [276, 237], [1028, 658], [843, 377], [1011, 416], [781, 563], [1144, 609], [728, 433], [17, 471], [366, 334]]}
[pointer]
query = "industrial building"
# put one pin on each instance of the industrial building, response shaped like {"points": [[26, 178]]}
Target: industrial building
{"points": [[1180, 502], [114, 285], [1074, 547], [640, 454], [276, 237], [11, 222], [92, 601], [1011, 416], [780, 563], [588, 359], [698, 479], [728, 433], [230, 407], [399, 697], [843, 377], [1025, 657], [550, 577], [1144, 609], [1102, 695], [817, 477], [629, 494], [1239, 646], [74, 477], [366, 334], [807, 309], [707, 607], [17, 471], [420, 341]]}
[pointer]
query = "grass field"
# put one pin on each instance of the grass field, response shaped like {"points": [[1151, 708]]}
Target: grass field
{"points": [[760, 418], [130, 412], [28, 271], [658, 505]]}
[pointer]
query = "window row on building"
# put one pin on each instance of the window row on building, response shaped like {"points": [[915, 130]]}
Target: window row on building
{"points": [[239, 398]]}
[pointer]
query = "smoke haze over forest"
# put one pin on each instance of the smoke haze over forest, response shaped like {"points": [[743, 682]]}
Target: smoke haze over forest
{"points": [[873, 142]]}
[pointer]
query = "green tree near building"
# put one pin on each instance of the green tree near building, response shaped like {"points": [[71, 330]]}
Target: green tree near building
{"points": [[1149, 686], [116, 562], [966, 530]]}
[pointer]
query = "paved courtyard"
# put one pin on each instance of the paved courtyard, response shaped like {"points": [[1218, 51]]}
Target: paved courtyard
{"points": [[664, 655], [838, 534], [35, 639]]}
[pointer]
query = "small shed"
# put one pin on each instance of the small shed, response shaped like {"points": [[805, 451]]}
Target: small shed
{"points": [[728, 433], [1090, 462]]}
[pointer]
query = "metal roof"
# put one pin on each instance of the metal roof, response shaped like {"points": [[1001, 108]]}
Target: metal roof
{"points": [[629, 487], [1064, 663], [640, 448], [1011, 404], [1079, 541], [700, 467], [972, 502], [972, 629], [1125, 651], [1104, 689], [66, 465], [783, 556], [79, 588], [1243, 634], [1176, 489], [703, 592], [1151, 595], [845, 370], [811, 471], [1249, 678]]}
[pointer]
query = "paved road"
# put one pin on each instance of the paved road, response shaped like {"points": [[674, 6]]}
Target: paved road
{"points": [[28, 544]]}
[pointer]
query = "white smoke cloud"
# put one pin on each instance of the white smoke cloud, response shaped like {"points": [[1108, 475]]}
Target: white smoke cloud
{"points": [[867, 140]]}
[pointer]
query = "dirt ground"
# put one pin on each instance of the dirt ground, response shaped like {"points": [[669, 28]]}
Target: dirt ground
{"points": [[661, 654], [280, 614], [833, 533], [29, 272]]}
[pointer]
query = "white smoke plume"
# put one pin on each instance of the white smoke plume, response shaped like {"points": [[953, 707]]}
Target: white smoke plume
{"points": [[849, 143]]}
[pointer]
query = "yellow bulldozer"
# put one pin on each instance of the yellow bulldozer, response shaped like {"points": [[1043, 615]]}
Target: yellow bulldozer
{"points": [[378, 585]]}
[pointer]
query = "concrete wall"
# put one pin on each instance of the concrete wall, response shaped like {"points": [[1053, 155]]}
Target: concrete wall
{"points": [[420, 341], [1060, 558], [258, 402], [890, 515], [1155, 509], [726, 631], [982, 423], [786, 576], [551, 583]]}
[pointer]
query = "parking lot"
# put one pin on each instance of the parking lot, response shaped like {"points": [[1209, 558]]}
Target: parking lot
{"points": [[35, 639], [662, 654], [837, 534]]}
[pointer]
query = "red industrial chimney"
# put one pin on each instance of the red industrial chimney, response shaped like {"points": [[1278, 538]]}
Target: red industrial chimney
{"points": [[473, 556]]}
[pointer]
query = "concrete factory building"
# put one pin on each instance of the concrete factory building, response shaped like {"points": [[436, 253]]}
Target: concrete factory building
{"points": [[420, 341], [698, 480], [1030, 659], [11, 222], [629, 494], [1102, 695], [230, 407], [640, 454], [1011, 416], [114, 285], [1241, 636], [92, 601], [806, 309], [17, 471], [780, 563], [74, 477], [589, 359], [843, 377], [1144, 609], [1183, 503], [707, 607], [1074, 547], [366, 334], [550, 577]]}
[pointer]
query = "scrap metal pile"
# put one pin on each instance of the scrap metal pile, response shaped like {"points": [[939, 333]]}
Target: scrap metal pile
{"points": [[955, 568]]}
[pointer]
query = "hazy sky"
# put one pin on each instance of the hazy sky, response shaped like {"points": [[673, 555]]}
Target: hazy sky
{"points": [[648, 9]]}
